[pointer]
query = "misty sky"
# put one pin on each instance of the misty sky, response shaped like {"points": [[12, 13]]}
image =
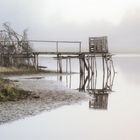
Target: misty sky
{"points": [[77, 20]]}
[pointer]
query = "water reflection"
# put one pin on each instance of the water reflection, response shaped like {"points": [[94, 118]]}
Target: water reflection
{"points": [[99, 101], [77, 122], [98, 87], [99, 96]]}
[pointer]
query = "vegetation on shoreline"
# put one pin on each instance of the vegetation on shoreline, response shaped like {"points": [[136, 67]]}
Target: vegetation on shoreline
{"points": [[8, 91], [18, 71], [23, 70], [6, 70]]}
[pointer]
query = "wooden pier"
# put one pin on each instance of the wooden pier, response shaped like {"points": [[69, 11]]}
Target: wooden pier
{"points": [[88, 65], [98, 47]]}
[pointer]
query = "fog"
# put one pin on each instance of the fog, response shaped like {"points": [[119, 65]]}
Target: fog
{"points": [[77, 20]]}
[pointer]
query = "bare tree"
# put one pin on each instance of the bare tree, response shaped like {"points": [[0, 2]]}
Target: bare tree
{"points": [[11, 44]]}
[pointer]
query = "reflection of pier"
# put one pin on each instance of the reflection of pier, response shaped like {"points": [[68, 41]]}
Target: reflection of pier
{"points": [[90, 81], [99, 101], [99, 95]]}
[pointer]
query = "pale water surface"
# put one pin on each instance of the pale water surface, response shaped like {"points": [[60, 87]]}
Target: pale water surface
{"points": [[121, 120]]}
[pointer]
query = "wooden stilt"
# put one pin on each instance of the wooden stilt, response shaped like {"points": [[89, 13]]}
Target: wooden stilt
{"points": [[57, 62], [66, 65], [37, 62], [60, 64], [103, 86], [70, 64], [88, 86], [70, 81], [82, 67]]}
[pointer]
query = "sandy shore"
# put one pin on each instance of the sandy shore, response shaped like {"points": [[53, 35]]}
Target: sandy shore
{"points": [[52, 94]]}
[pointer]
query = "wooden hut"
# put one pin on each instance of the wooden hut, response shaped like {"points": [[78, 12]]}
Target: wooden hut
{"points": [[98, 44]]}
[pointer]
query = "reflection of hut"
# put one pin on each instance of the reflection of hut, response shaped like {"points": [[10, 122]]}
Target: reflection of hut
{"points": [[98, 44], [100, 101]]}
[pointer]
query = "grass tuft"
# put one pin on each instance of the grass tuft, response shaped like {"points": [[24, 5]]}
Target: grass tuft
{"points": [[8, 91]]}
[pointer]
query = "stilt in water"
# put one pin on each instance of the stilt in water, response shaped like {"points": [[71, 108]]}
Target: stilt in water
{"points": [[66, 65], [35, 60], [59, 63], [70, 64]]}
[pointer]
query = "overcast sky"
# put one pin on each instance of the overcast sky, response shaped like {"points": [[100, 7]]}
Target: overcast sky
{"points": [[77, 20]]}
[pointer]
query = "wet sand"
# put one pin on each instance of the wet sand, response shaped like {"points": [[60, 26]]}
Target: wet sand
{"points": [[52, 94]]}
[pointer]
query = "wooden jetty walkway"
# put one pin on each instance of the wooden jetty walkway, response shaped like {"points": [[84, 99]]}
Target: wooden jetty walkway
{"points": [[88, 63], [98, 47]]}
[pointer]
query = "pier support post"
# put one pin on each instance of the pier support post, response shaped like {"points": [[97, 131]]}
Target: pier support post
{"points": [[66, 65], [36, 60], [70, 64], [82, 65], [59, 64], [103, 63]]}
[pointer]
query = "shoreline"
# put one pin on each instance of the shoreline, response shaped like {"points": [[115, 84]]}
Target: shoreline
{"points": [[52, 94]]}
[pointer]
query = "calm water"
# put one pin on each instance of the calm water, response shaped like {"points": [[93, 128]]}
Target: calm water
{"points": [[120, 121]]}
